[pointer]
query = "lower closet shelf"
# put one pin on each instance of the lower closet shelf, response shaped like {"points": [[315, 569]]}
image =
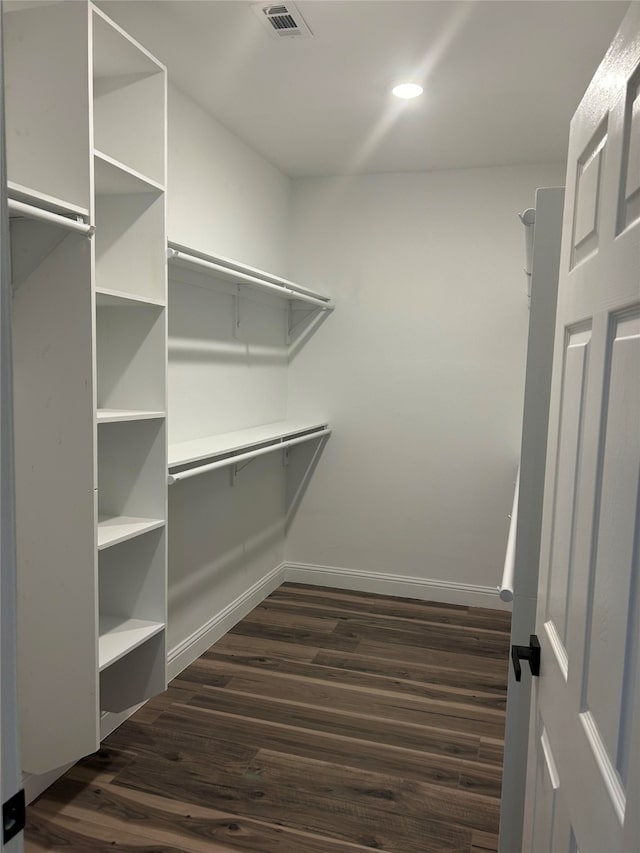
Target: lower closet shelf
{"points": [[105, 416], [215, 446], [119, 636], [113, 529]]}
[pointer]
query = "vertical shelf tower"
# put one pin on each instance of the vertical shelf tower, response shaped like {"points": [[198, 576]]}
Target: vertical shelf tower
{"points": [[129, 164], [90, 335]]}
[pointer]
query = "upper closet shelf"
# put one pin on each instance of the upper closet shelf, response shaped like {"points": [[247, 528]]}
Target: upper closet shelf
{"points": [[228, 449], [18, 192], [24, 203], [115, 178], [240, 274]]}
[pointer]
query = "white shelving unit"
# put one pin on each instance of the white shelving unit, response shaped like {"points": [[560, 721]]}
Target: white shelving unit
{"points": [[48, 165], [89, 268], [90, 371], [129, 160]]}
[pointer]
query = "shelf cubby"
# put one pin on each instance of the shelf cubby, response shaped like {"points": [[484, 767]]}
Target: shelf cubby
{"points": [[46, 59], [132, 621], [128, 100], [130, 247], [131, 469], [130, 349], [139, 673]]}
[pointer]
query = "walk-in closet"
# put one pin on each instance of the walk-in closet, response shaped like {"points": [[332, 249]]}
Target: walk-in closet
{"points": [[298, 406]]}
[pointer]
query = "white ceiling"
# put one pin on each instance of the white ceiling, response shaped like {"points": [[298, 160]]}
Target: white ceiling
{"points": [[502, 79]]}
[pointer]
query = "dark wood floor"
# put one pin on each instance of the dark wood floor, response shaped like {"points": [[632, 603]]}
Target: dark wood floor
{"points": [[325, 722]]}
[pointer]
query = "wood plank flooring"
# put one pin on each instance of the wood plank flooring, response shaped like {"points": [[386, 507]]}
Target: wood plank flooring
{"points": [[325, 722]]}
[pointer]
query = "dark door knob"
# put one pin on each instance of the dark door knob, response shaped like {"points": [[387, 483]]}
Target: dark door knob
{"points": [[530, 653]]}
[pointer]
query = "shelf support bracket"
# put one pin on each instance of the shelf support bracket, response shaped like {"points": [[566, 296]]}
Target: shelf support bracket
{"points": [[236, 469], [236, 313], [293, 323]]}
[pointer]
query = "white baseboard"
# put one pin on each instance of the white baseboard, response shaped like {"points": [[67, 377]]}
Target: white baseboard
{"points": [[403, 586], [193, 646]]}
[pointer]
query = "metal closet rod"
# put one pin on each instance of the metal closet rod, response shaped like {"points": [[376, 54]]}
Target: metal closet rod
{"points": [[245, 457], [244, 278], [33, 212], [506, 587]]}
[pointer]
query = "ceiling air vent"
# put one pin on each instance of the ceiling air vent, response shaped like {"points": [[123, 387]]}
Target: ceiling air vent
{"points": [[282, 20]]}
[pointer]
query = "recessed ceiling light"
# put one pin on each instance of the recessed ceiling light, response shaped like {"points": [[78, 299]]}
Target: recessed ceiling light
{"points": [[407, 90]]}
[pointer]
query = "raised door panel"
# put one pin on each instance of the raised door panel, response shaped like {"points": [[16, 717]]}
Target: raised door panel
{"points": [[611, 627], [575, 371]]}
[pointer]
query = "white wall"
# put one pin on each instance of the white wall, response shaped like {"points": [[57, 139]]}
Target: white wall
{"points": [[420, 369], [222, 199]]}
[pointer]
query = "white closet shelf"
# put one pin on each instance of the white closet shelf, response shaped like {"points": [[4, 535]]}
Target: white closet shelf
{"points": [[215, 446], [27, 195], [116, 53], [115, 178], [116, 298], [236, 273], [119, 636], [108, 416], [113, 529]]}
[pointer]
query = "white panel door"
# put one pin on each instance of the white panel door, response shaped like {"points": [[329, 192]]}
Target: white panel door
{"points": [[585, 747]]}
